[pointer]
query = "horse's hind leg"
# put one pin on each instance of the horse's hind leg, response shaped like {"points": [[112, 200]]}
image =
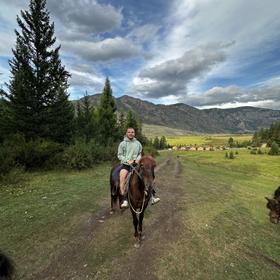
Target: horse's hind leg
{"points": [[113, 202]]}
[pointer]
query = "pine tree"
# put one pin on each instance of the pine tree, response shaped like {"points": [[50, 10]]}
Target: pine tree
{"points": [[37, 90], [137, 125], [156, 143], [162, 142], [107, 121], [85, 121], [230, 142]]}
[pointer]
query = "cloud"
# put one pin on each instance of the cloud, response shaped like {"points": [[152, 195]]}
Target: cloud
{"points": [[106, 50], [266, 95], [143, 33], [171, 77], [86, 16]]}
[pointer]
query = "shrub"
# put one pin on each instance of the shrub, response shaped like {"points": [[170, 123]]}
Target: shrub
{"points": [[259, 152], [77, 156], [231, 156], [226, 155], [274, 150]]}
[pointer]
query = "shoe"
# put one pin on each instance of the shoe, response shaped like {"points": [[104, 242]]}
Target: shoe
{"points": [[155, 200], [124, 204]]}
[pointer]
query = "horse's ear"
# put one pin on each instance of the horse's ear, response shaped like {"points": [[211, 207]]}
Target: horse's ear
{"points": [[267, 198]]}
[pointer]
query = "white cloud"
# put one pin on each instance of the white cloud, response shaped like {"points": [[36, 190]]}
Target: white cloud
{"points": [[108, 49], [86, 16], [171, 77]]}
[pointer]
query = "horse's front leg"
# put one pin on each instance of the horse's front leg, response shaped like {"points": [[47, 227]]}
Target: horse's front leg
{"points": [[141, 217], [135, 223], [136, 233]]}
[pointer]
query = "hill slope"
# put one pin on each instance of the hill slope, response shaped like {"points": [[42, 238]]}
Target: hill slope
{"points": [[185, 117]]}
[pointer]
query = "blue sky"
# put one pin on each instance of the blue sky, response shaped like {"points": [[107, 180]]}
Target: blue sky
{"points": [[205, 53]]}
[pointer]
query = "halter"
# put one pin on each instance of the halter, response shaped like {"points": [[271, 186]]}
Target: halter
{"points": [[143, 203]]}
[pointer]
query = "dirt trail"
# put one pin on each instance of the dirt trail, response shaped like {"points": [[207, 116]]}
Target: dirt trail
{"points": [[161, 228]]}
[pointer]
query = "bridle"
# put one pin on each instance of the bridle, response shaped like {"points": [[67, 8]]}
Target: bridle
{"points": [[145, 192]]}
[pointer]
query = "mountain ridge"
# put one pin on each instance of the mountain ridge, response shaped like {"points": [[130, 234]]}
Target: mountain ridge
{"points": [[245, 119]]}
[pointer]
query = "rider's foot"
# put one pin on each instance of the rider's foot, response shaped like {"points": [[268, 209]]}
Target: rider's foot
{"points": [[124, 204], [155, 200]]}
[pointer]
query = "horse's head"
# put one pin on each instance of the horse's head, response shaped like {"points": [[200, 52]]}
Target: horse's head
{"points": [[274, 206], [146, 169]]}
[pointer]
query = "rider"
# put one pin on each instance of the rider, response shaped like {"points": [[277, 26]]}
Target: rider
{"points": [[129, 152]]}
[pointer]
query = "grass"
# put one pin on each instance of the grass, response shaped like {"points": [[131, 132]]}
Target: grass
{"points": [[227, 233], [211, 139], [39, 216]]}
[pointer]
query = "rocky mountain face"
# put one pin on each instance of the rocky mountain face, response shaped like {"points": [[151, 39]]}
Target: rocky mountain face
{"points": [[182, 116]]}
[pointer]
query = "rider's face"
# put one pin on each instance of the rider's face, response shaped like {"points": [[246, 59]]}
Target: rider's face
{"points": [[130, 134]]}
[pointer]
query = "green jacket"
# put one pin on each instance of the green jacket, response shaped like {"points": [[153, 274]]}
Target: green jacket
{"points": [[129, 150]]}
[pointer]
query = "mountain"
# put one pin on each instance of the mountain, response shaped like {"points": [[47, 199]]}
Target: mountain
{"points": [[185, 117]]}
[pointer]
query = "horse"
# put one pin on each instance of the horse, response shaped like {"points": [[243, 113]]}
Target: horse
{"points": [[274, 206], [6, 267], [139, 192]]}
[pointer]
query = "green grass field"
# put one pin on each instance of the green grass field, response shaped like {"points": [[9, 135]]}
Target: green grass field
{"points": [[211, 139], [225, 231]]}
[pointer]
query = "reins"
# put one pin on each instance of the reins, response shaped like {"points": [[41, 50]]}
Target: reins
{"points": [[144, 199]]}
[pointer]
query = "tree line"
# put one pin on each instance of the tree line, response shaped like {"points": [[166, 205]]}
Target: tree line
{"points": [[39, 126], [269, 136]]}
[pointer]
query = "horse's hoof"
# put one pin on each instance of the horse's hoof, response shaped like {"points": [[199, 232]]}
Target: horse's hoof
{"points": [[137, 245], [111, 212]]}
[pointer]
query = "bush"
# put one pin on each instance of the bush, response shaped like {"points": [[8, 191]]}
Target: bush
{"points": [[77, 156], [38, 153], [83, 155], [274, 150], [226, 155], [7, 161], [231, 156], [259, 152]]}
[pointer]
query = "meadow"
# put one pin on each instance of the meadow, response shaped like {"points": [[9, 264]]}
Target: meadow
{"points": [[220, 229], [210, 139]]}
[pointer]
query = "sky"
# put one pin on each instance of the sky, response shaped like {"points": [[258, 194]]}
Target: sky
{"points": [[204, 53]]}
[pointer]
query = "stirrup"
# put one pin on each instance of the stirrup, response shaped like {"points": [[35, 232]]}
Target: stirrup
{"points": [[155, 200]]}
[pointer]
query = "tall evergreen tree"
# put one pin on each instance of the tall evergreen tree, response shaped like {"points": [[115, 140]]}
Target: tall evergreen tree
{"points": [[107, 120], [85, 120], [37, 95]]}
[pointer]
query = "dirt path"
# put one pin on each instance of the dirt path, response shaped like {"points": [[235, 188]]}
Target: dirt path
{"points": [[161, 227]]}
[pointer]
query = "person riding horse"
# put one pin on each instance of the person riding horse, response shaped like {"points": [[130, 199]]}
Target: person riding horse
{"points": [[129, 153]]}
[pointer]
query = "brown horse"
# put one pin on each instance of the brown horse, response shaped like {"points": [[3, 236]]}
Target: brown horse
{"points": [[273, 205], [139, 191]]}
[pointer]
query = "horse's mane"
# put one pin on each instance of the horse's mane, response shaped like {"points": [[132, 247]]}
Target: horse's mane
{"points": [[147, 157]]}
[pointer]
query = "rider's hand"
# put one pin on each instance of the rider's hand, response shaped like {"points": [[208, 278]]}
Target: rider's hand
{"points": [[130, 161]]}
